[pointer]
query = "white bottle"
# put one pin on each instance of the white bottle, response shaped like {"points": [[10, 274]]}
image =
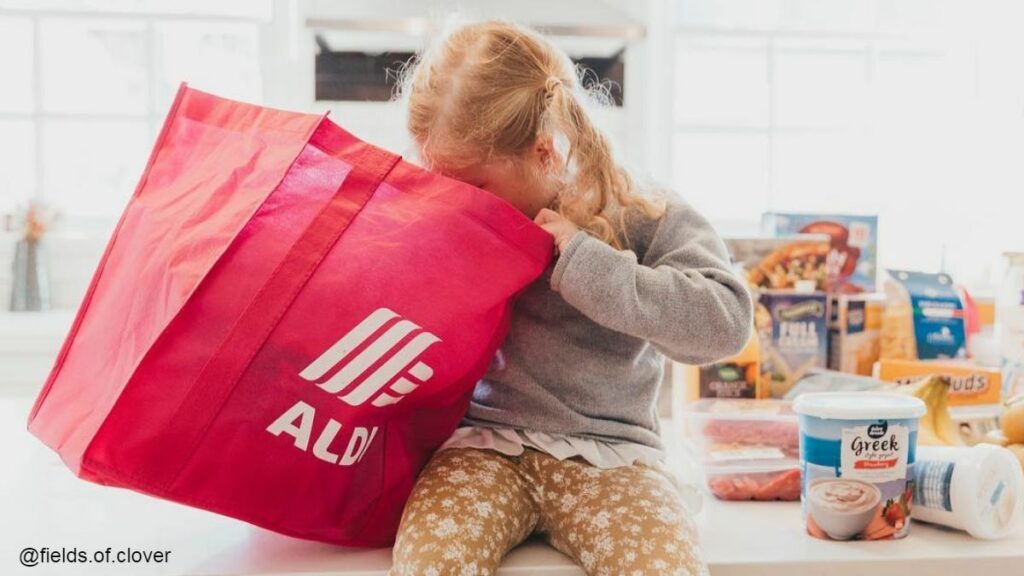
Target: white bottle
{"points": [[1010, 325], [978, 489]]}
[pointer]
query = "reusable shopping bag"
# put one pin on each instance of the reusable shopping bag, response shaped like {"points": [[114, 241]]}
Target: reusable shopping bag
{"points": [[285, 324]]}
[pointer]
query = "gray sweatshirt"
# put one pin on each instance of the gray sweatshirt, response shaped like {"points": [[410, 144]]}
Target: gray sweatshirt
{"points": [[585, 350]]}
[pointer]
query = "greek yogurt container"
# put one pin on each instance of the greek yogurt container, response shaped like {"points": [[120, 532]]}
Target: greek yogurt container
{"points": [[857, 452]]}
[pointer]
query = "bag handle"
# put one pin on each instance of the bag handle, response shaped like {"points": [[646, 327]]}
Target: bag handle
{"points": [[220, 375]]}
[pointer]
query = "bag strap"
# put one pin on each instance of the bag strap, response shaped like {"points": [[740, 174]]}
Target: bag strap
{"points": [[225, 367]]}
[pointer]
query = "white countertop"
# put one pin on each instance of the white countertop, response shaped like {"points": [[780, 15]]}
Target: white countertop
{"points": [[43, 504]]}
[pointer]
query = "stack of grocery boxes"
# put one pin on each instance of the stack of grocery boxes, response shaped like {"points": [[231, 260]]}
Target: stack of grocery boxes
{"points": [[818, 313], [812, 278]]}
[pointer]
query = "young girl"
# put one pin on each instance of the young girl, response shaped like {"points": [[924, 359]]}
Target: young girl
{"points": [[562, 436]]}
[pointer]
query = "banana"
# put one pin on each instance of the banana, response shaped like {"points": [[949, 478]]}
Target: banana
{"points": [[936, 428], [948, 429]]}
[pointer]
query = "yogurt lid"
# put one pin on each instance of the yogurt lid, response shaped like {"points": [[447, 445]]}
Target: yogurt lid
{"points": [[859, 405]]}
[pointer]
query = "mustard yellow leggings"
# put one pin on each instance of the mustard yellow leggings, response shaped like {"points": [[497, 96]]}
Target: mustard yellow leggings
{"points": [[470, 506]]}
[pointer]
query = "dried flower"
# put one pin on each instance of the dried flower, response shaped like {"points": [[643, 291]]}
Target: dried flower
{"points": [[33, 221]]}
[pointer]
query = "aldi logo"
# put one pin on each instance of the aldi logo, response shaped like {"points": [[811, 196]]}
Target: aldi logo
{"points": [[383, 372], [389, 374]]}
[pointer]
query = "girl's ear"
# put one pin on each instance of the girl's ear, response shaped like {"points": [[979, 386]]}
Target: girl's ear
{"points": [[547, 155]]}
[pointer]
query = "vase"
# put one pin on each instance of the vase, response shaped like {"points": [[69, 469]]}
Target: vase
{"points": [[31, 289]]}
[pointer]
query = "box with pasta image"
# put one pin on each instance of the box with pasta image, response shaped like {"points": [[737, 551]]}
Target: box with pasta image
{"points": [[792, 328]]}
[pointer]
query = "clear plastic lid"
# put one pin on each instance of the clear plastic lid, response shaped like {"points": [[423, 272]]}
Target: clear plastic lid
{"points": [[741, 409], [750, 466]]}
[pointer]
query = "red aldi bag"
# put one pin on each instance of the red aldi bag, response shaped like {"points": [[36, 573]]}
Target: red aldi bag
{"points": [[285, 324]]}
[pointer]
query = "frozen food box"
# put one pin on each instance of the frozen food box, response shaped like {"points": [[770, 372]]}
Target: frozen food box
{"points": [[734, 377], [924, 317], [781, 262], [855, 332], [969, 385], [854, 240], [793, 331]]}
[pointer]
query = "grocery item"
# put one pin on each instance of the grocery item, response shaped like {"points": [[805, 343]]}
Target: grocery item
{"points": [[818, 380], [734, 377], [975, 423], [748, 448], [1011, 431], [1018, 451], [982, 343], [855, 332], [995, 437], [923, 317], [857, 450], [737, 429], [1010, 325], [979, 489], [1012, 420], [793, 337], [754, 480], [781, 262], [937, 427], [853, 242], [271, 333], [970, 385]]}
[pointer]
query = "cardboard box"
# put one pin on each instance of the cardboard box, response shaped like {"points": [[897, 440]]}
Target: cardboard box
{"points": [[854, 241], [735, 377], [855, 332], [793, 331], [770, 263], [970, 385]]}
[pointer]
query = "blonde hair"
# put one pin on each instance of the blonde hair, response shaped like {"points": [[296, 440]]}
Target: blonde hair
{"points": [[488, 90]]}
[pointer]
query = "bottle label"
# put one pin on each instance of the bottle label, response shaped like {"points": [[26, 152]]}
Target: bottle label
{"points": [[932, 481]]}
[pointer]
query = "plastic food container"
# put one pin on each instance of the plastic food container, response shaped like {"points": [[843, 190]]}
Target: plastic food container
{"points": [[754, 480], [767, 429], [978, 489], [857, 450]]}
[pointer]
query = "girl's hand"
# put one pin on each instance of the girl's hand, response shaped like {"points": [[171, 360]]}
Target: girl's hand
{"points": [[557, 225]]}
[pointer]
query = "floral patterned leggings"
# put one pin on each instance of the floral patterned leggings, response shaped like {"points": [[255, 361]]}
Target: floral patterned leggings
{"points": [[470, 506]]}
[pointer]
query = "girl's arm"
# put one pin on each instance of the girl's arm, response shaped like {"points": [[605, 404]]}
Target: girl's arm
{"points": [[683, 297]]}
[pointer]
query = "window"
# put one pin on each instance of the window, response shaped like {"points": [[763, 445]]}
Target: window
{"points": [[356, 75], [86, 91], [353, 65], [906, 109]]}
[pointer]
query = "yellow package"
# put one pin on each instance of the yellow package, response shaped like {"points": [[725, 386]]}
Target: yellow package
{"points": [[969, 385]]}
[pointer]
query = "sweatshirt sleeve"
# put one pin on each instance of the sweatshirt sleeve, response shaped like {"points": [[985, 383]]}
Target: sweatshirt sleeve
{"points": [[683, 297]]}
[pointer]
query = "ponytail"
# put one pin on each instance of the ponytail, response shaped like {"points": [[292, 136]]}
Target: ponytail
{"points": [[599, 191]]}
